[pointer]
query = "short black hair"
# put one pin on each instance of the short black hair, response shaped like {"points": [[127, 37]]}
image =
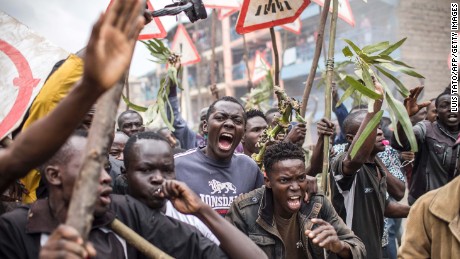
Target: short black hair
{"points": [[119, 121], [255, 113], [226, 99], [281, 151], [359, 107], [349, 124], [445, 92], [270, 111], [128, 150]]}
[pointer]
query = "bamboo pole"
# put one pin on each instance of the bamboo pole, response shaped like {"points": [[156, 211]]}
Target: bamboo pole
{"points": [[328, 107], [137, 241], [314, 65]]}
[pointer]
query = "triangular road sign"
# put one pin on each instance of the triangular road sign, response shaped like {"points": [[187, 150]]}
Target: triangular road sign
{"points": [[154, 29], [295, 27], [344, 10], [183, 45], [261, 68], [260, 14], [224, 13], [221, 4]]}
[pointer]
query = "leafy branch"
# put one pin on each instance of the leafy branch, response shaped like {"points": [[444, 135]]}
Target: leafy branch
{"points": [[162, 55], [258, 97], [368, 61]]}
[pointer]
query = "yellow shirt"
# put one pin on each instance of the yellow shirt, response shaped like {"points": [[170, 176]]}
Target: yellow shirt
{"points": [[53, 91]]}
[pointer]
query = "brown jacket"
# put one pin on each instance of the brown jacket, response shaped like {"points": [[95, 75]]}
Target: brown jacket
{"points": [[433, 225]]}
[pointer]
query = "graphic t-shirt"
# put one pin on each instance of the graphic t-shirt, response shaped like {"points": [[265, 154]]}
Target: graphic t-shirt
{"points": [[218, 183]]}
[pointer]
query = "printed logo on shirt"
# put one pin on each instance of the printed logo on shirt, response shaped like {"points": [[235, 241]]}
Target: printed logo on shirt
{"points": [[368, 190], [218, 187], [221, 204]]}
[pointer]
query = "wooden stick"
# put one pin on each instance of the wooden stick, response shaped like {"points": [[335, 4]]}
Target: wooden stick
{"points": [[81, 209], [137, 241], [314, 65], [328, 108], [275, 53], [212, 67], [246, 62]]}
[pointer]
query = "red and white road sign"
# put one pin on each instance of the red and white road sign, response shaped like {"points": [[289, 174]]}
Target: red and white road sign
{"points": [[344, 10], [260, 14], [26, 60], [154, 29], [295, 27], [183, 45], [224, 13], [261, 68], [221, 4]]}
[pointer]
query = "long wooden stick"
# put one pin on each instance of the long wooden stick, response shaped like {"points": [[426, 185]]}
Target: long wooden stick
{"points": [[275, 53], [137, 241], [81, 209], [314, 65], [212, 67], [328, 107]]}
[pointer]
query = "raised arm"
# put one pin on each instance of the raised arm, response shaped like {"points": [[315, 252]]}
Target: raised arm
{"points": [[232, 241], [351, 165], [324, 127], [107, 57], [412, 107]]}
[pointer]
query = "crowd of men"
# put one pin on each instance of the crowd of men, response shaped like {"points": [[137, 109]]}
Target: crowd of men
{"points": [[201, 194]]}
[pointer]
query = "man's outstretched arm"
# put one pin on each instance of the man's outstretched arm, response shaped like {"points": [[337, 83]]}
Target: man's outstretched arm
{"points": [[234, 243], [108, 55]]}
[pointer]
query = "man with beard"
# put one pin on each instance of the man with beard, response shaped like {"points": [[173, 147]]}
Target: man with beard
{"points": [[215, 172], [435, 161], [281, 224]]}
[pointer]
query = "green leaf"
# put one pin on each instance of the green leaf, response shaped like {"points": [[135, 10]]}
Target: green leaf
{"points": [[368, 79], [345, 95], [403, 118], [397, 62], [393, 47], [401, 88], [370, 127], [133, 106], [376, 47], [404, 70], [361, 88], [347, 52], [353, 46]]}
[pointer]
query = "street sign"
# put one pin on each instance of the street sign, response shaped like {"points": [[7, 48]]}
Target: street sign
{"points": [[154, 29], [260, 14], [224, 13], [26, 60], [261, 68], [183, 45], [344, 10], [295, 27]]}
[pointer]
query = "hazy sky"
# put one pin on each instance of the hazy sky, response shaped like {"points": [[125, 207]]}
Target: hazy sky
{"points": [[68, 23]]}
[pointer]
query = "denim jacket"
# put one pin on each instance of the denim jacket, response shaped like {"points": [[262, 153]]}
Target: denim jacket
{"points": [[252, 213]]}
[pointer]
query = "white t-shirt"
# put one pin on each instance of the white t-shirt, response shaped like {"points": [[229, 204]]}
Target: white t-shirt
{"points": [[192, 220]]}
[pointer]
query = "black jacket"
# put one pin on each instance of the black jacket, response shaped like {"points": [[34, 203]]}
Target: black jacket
{"points": [[252, 213]]}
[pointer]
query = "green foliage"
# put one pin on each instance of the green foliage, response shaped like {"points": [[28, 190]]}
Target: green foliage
{"points": [[162, 55], [258, 97], [368, 61], [371, 126]]}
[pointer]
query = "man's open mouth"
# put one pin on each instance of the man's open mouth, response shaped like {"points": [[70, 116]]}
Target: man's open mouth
{"points": [[452, 117], [104, 196], [294, 203], [225, 141]]}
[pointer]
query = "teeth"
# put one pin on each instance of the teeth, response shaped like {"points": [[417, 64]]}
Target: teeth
{"points": [[227, 135], [295, 197]]}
